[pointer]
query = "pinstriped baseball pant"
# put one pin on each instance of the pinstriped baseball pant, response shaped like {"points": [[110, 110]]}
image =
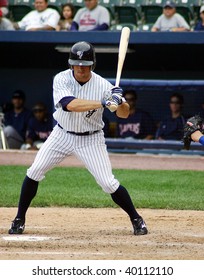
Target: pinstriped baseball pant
{"points": [[90, 149]]}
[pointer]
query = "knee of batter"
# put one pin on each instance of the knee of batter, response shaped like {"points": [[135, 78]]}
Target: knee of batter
{"points": [[109, 185], [35, 173]]}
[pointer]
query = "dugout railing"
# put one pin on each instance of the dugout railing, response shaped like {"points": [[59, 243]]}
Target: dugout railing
{"points": [[156, 147]]}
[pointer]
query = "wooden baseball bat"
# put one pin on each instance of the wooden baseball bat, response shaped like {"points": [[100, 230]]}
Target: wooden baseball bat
{"points": [[123, 45]]}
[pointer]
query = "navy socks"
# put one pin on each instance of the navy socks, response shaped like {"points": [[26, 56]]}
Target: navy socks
{"points": [[28, 192], [29, 189], [122, 198]]}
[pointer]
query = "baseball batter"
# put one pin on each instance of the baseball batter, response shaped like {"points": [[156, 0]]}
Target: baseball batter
{"points": [[80, 96]]}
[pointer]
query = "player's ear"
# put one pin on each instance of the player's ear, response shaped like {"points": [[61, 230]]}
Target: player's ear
{"points": [[70, 66], [93, 66]]}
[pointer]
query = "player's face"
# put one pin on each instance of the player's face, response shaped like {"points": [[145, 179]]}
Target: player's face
{"points": [[82, 73], [39, 113], [40, 5], [169, 12], [18, 103], [175, 105], [91, 4]]}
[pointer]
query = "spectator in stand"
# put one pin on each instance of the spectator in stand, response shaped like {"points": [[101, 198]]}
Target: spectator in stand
{"points": [[39, 128], [4, 7], [67, 15], [171, 128], [5, 23], [170, 20], [16, 121], [200, 24], [138, 125], [92, 17], [42, 18]]}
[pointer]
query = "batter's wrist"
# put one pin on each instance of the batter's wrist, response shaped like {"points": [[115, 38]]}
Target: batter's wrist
{"points": [[103, 103]]}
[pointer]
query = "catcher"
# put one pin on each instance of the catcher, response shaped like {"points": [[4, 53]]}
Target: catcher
{"points": [[193, 131]]}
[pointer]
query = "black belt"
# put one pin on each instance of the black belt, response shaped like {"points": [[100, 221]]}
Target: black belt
{"points": [[80, 133]]}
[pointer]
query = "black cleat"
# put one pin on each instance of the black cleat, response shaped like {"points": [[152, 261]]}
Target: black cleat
{"points": [[17, 226], [139, 226]]}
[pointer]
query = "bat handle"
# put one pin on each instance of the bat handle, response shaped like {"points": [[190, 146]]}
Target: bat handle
{"points": [[117, 82], [113, 108]]}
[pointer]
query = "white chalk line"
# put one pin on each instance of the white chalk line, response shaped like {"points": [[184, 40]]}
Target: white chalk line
{"points": [[30, 238], [58, 253], [35, 238], [33, 227]]}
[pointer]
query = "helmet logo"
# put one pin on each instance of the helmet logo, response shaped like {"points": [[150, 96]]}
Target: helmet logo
{"points": [[80, 54]]}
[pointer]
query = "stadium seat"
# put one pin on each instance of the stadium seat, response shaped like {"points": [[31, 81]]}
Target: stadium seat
{"points": [[196, 4], [55, 4], [11, 2], [146, 27], [77, 4], [185, 8], [118, 27], [22, 2], [136, 4], [151, 10], [110, 6], [126, 14], [196, 13], [18, 11]]}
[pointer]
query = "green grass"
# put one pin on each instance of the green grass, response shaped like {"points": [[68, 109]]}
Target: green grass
{"points": [[75, 187]]}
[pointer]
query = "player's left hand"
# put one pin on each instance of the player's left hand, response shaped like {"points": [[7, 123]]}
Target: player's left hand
{"points": [[193, 124], [117, 94]]}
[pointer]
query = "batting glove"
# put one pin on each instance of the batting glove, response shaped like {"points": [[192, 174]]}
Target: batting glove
{"points": [[110, 104], [117, 94]]}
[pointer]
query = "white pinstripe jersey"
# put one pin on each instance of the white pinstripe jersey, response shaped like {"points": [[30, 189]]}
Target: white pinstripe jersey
{"points": [[65, 85]]}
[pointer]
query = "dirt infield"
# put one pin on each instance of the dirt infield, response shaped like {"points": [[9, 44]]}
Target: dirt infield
{"points": [[103, 234], [69, 233]]}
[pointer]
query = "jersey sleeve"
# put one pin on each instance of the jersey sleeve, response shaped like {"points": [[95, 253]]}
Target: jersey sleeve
{"points": [[104, 16], [158, 23], [53, 19], [78, 15], [25, 20], [61, 89], [181, 22]]}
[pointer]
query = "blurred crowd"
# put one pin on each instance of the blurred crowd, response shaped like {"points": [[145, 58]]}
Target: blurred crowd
{"points": [[91, 17]]}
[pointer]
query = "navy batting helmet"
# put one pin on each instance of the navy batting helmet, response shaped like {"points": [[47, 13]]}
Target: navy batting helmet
{"points": [[82, 54]]}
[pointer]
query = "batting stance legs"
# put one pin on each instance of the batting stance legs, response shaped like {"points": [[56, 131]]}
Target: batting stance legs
{"points": [[91, 150]]}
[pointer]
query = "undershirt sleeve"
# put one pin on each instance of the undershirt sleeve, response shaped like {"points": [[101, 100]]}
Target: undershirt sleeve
{"points": [[65, 101]]}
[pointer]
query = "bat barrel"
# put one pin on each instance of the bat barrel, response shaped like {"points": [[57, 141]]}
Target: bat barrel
{"points": [[123, 45]]}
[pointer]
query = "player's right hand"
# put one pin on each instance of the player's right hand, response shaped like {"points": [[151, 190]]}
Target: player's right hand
{"points": [[110, 104], [117, 94]]}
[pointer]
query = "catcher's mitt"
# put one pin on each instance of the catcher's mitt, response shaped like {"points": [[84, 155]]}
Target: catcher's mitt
{"points": [[195, 124]]}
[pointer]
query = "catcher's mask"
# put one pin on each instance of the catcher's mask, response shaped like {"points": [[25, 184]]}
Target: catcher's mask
{"points": [[82, 54]]}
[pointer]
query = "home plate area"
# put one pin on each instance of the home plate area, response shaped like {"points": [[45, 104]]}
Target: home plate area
{"points": [[104, 233]]}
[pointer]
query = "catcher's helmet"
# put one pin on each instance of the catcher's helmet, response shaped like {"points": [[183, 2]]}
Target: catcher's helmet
{"points": [[82, 54]]}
